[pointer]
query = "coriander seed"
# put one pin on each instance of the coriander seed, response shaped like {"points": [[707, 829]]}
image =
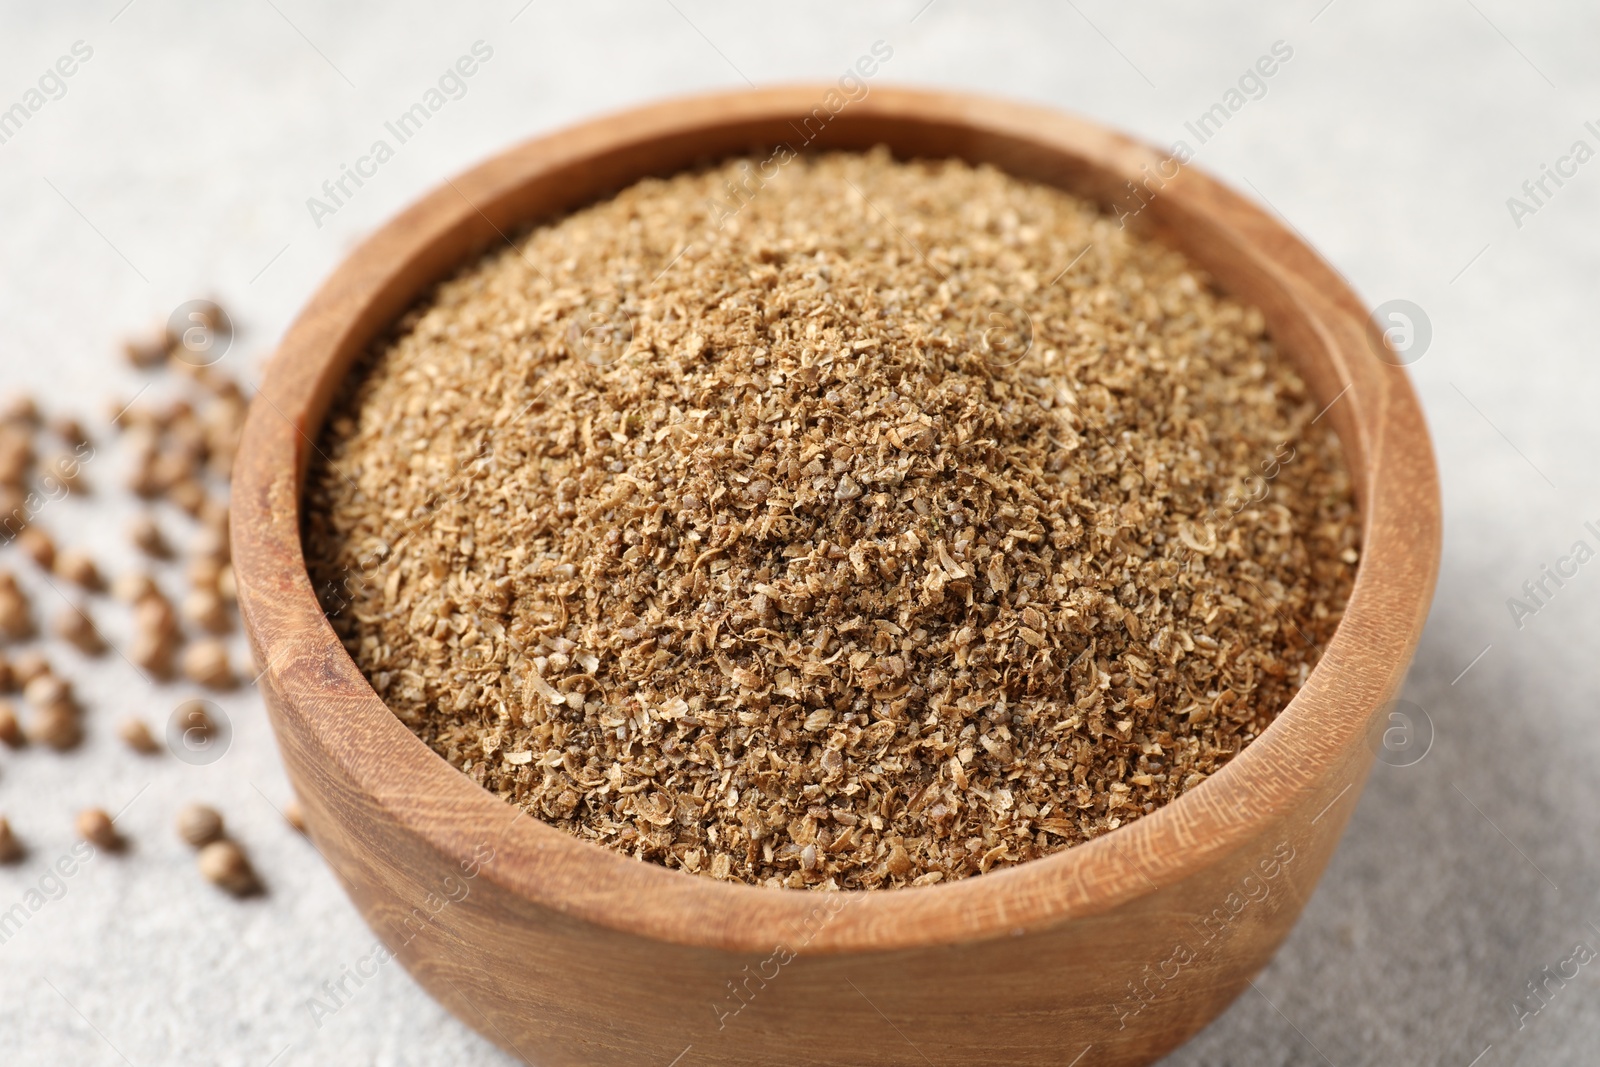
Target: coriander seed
{"points": [[225, 865], [214, 513], [73, 624], [45, 688], [211, 543], [69, 430], [153, 651], [16, 456], [96, 827], [133, 586], [150, 350], [66, 470], [19, 408], [205, 662], [199, 824], [203, 573], [55, 725], [136, 735], [195, 718], [146, 535], [16, 623], [27, 666], [188, 494], [10, 729], [39, 547], [152, 613], [75, 566], [205, 609]]}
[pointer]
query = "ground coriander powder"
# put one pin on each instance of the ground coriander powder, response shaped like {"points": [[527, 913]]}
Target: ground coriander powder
{"points": [[881, 524]]}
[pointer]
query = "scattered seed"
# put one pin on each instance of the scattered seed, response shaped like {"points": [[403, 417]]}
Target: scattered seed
{"points": [[67, 471], [45, 689], [56, 726], [214, 514], [155, 634], [144, 480], [75, 566], [72, 623], [10, 729], [153, 652], [19, 408], [188, 494], [69, 430], [145, 533], [195, 718], [199, 824], [39, 547], [206, 610], [224, 864], [27, 666], [16, 456], [96, 827], [211, 542], [295, 816], [205, 663], [133, 586], [150, 350], [11, 849], [16, 623], [153, 613], [203, 573], [136, 735]]}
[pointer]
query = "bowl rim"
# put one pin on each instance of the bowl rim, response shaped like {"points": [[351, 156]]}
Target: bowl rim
{"points": [[1318, 738]]}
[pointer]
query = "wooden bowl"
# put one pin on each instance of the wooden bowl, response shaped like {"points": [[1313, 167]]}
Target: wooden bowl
{"points": [[567, 953]]}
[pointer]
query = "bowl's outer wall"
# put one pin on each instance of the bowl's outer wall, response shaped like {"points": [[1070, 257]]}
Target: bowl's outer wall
{"points": [[1130, 983], [568, 954]]}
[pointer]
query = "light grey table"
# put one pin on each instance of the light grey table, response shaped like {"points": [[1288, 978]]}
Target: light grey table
{"points": [[177, 162]]}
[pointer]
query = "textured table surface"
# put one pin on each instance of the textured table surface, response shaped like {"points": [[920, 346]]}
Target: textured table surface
{"points": [[177, 163]]}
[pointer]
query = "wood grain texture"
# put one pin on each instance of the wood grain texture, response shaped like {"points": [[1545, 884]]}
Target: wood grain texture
{"points": [[567, 953]]}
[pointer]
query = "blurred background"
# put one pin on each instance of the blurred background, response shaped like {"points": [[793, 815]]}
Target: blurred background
{"points": [[1410, 142]]}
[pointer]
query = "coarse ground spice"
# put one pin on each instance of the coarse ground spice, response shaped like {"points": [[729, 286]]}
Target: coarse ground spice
{"points": [[907, 522]]}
